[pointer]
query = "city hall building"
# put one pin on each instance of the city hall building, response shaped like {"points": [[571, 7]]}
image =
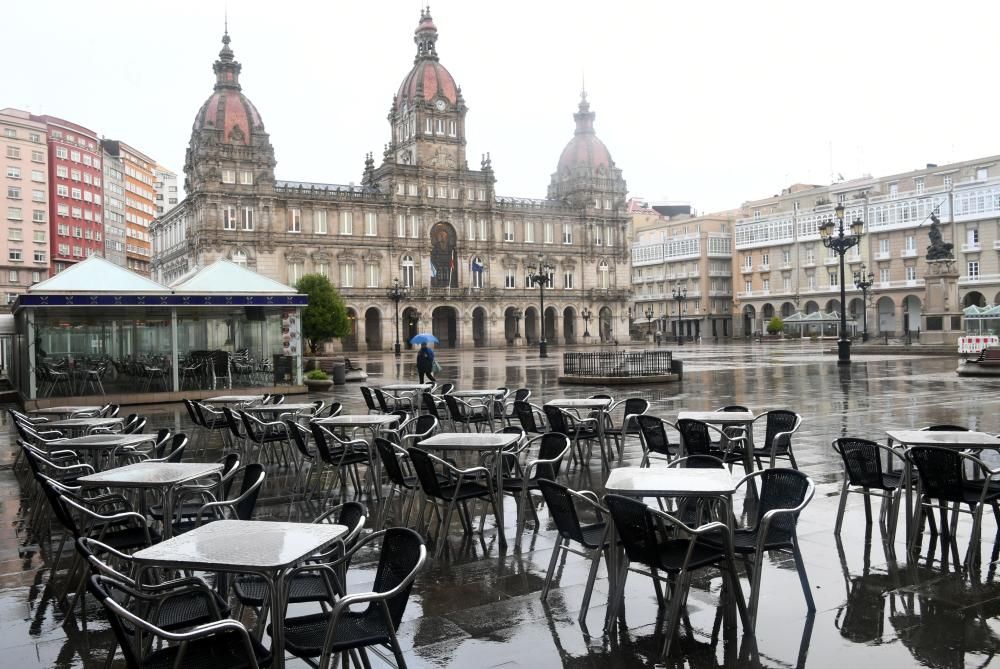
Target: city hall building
{"points": [[422, 216]]}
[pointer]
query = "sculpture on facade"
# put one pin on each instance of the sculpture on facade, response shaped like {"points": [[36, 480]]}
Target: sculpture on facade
{"points": [[444, 256], [939, 249]]}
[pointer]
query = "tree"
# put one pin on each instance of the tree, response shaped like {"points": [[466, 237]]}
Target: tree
{"points": [[326, 315], [775, 325]]}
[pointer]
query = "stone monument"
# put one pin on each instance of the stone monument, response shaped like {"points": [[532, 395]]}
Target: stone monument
{"points": [[942, 317]]}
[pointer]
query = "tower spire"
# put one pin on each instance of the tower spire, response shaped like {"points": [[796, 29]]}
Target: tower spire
{"points": [[227, 70], [425, 36]]}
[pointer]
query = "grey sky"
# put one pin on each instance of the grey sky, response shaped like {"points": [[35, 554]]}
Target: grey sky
{"points": [[708, 102]]}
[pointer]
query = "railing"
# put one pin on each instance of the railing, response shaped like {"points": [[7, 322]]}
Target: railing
{"points": [[618, 364]]}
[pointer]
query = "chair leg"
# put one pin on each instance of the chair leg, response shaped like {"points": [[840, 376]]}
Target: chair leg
{"points": [[840, 508], [595, 561], [676, 603], [803, 577], [552, 566]]}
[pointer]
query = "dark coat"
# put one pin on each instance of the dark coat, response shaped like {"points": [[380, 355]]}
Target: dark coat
{"points": [[425, 360]]}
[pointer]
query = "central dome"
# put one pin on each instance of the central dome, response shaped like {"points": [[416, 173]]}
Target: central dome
{"points": [[429, 79], [585, 150], [228, 110]]}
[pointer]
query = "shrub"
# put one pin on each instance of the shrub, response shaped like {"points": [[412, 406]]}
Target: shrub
{"points": [[317, 375], [775, 325]]}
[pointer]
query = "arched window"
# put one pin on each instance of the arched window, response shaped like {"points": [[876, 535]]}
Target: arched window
{"points": [[477, 269], [603, 275], [239, 258], [406, 266]]}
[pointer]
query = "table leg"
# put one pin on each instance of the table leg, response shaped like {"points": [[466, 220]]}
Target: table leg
{"points": [[612, 564], [168, 512], [278, 620], [498, 487]]}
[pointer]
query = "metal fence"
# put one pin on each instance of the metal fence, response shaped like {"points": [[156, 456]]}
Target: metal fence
{"points": [[617, 363]]}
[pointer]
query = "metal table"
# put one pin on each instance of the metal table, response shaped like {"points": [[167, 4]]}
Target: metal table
{"points": [[279, 408], [268, 549], [234, 399], [163, 476], [943, 439], [599, 405], [726, 419], [478, 441], [97, 444], [67, 411], [406, 387], [75, 425], [373, 423]]}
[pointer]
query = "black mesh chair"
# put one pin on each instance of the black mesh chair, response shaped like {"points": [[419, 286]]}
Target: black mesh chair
{"points": [[334, 409], [191, 497], [942, 484], [462, 413], [309, 585], [520, 479], [266, 435], [780, 425], [784, 493], [402, 481], [944, 427], [455, 491], [865, 474], [369, 398], [221, 644], [415, 430], [631, 408], [519, 395], [578, 430], [388, 403], [431, 406], [240, 506], [339, 455], [529, 416], [696, 438], [592, 537], [664, 544], [184, 602], [654, 439], [342, 630]]}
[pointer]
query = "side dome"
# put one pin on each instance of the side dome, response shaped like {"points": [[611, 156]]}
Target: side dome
{"points": [[429, 79], [585, 150], [227, 109]]}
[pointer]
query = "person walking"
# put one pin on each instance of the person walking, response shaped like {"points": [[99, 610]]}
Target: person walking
{"points": [[425, 363]]}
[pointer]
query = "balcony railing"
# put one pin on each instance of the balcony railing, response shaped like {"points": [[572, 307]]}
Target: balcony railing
{"points": [[973, 248]]}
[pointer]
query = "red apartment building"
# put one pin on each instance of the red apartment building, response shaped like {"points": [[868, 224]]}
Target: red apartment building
{"points": [[76, 192]]}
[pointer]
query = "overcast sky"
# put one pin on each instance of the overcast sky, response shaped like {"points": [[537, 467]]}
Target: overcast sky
{"points": [[712, 103]]}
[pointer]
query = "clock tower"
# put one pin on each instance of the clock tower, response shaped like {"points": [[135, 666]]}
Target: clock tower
{"points": [[428, 111]]}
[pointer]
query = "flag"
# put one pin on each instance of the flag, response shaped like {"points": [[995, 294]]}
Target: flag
{"points": [[477, 265], [434, 271]]}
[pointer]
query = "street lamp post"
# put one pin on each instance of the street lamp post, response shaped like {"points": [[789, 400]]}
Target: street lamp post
{"points": [[863, 282], [586, 314], [649, 320], [396, 293], [539, 275], [680, 294], [840, 243]]}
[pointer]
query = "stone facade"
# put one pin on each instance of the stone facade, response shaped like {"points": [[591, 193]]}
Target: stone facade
{"points": [[422, 216], [781, 266], [682, 274]]}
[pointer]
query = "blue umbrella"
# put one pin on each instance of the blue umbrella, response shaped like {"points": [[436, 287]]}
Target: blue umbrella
{"points": [[424, 338]]}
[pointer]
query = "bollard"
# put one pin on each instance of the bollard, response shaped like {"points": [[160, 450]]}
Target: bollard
{"points": [[677, 367]]}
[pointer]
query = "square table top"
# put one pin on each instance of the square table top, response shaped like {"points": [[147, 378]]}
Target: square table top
{"points": [[943, 438], [234, 545], [286, 408], [407, 386], [670, 482], [63, 410], [469, 440], [233, 399], [719, 417], [570, 403], [359, 420], [97, 441], [83, 422], [483, 392], [151, 474]]}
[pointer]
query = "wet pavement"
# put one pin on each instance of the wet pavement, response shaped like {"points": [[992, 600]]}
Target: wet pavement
{"points": [[479, 605]]}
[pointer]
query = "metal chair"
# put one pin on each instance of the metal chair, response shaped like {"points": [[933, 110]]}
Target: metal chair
{"points": [[780, 425], [654, 439], [784, 493], [577, 429], [864, 474], [942, 484], [663, 543], [632, 407], [338, 454], [462, 413], [342, 631], [696, 438], [369, 398], [529, 416], [221, 644], [522, 479], [460, 486], [592, 537]]}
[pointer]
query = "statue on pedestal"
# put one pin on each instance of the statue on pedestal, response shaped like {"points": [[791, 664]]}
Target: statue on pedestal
{"points": [[939, 249]]}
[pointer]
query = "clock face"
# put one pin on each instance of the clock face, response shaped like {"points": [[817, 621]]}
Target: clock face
{"points": [[440, 104]]}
